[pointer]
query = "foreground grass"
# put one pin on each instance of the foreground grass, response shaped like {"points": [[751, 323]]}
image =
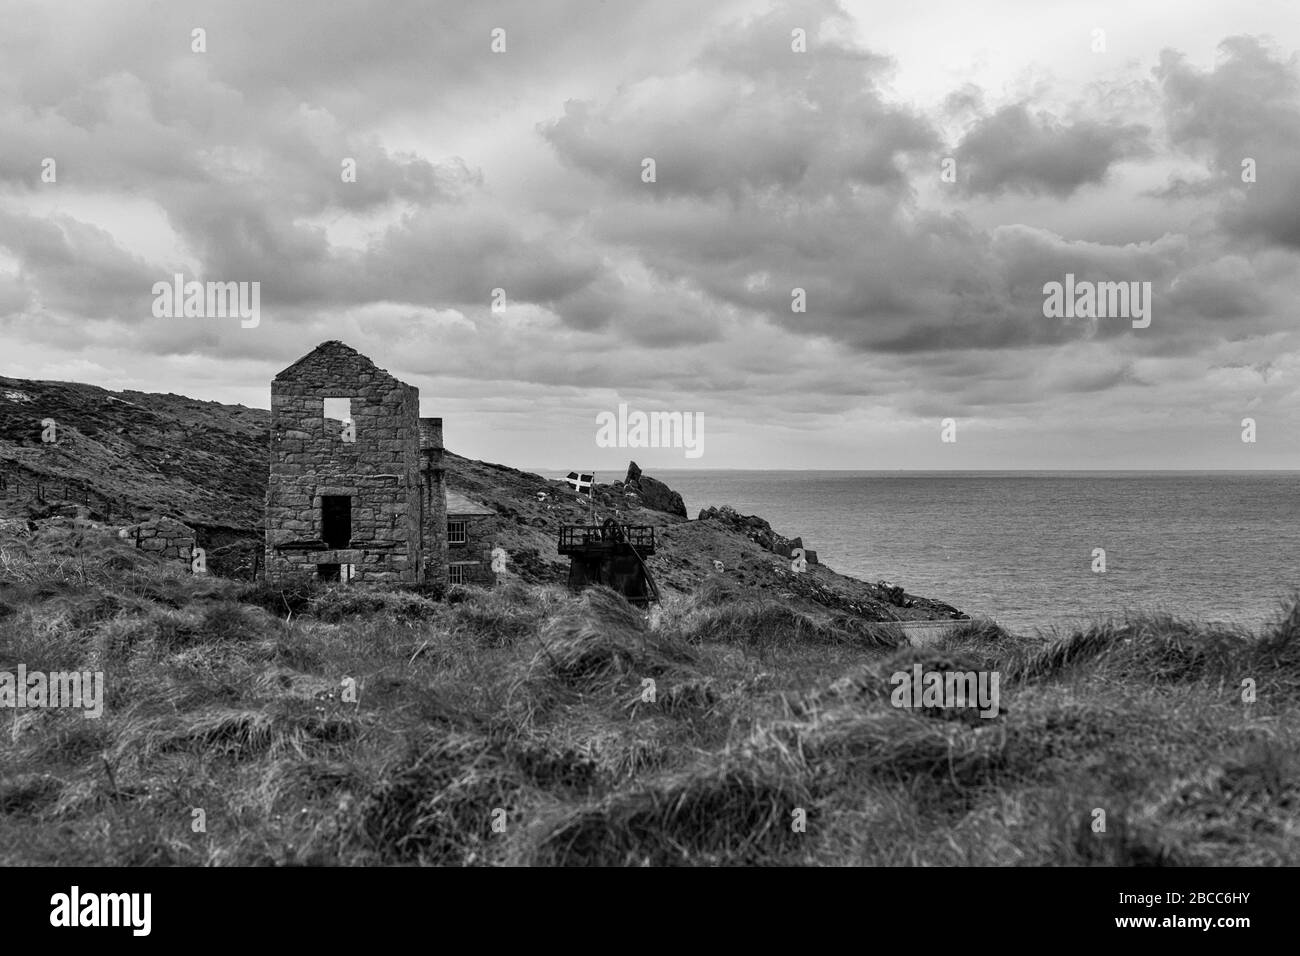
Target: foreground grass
{"points": [[529, 726]]}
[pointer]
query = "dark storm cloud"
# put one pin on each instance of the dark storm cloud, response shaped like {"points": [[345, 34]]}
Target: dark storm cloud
{"points": [[77, 268], [243, 201], [759, 193], [1033, 152], [750, 116], [1180, 188], [358, 59], [241, 148], [458, 255], [653, 315], [1246, 109], [1227, 289], [785, 171]]}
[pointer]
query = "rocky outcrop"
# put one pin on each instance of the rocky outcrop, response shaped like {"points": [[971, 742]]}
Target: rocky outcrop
{"points": [[651, 492], [881, 602], [757, 530]]}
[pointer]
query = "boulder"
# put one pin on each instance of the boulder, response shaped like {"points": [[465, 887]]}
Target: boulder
{"points": [[893, 593], [652, 492]]}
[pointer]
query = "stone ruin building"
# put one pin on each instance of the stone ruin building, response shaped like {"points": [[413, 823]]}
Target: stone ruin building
{"points": [[357, 490]]}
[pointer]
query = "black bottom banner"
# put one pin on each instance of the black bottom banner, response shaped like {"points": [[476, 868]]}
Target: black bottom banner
{"points": [[334, 906]]}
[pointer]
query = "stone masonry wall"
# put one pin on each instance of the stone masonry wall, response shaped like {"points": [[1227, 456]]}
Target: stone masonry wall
{"points": [[164, 537]]}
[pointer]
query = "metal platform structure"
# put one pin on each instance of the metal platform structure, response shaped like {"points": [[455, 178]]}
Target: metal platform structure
{"points": [[611, 554]]}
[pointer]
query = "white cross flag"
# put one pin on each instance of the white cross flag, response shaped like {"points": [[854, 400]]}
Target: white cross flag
{"points": [[580, 480]]}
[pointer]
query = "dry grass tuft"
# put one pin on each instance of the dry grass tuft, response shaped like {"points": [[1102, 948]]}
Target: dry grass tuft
{"points": [[437, 803], [280, 728], [600, 643], [736, 811]]}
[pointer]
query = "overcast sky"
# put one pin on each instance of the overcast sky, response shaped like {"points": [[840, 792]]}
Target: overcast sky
{"points": [[775, 169]]}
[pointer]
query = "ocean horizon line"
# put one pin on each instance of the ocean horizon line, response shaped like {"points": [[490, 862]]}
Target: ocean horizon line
{"points": [[959, 471]]}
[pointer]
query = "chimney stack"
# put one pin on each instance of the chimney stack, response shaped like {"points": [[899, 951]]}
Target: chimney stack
{"points": [[431, 439], [433, 487]]}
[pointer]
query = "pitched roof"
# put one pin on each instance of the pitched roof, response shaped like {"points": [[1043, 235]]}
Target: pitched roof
{"points": [[458, 504], [322, 354]]}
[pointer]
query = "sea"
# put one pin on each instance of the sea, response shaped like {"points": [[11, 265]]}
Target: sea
{"points": [[1022, 547]]}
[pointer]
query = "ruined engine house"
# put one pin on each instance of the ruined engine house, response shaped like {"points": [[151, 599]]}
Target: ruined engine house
{"points": [[357, 489]]}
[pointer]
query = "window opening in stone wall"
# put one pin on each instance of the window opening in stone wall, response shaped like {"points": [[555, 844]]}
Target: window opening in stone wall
{"points": [[339, 409], [456, 532], [336, 520], [455, 574], [327, 572], [338, 418]]}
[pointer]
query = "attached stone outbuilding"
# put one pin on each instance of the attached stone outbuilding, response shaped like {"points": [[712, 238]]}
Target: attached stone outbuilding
{"points": [[469, 542]]}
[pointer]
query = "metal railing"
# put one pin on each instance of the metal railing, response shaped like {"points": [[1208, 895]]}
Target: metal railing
{"points": [[574, 537]]}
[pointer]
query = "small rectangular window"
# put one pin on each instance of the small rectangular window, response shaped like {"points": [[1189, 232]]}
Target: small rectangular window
{"points": [[339, 409], [327, 572], [456, 532], [455, 574]]}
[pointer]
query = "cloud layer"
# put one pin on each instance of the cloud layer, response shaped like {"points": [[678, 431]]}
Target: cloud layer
{"points": [[796, 163]]}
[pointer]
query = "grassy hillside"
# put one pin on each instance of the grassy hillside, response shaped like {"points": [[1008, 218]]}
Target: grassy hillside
{"points": [[145, 454], [528, 706]]}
